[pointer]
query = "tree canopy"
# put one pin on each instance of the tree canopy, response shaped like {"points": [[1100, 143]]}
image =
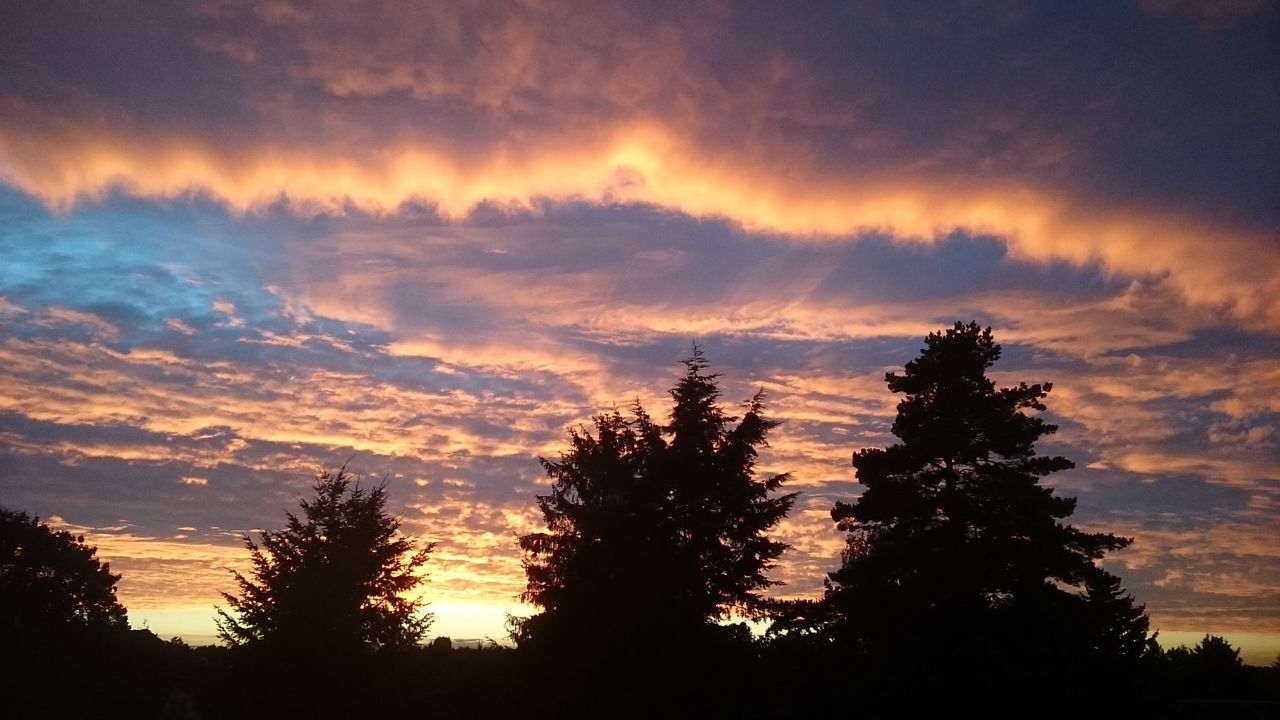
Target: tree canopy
{"points": [[656, 530], [955, 547], [1211, 669], [334, 580], [51, 580]]}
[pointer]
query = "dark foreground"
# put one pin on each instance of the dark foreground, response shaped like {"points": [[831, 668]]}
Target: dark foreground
{"points": [[138, 675]]}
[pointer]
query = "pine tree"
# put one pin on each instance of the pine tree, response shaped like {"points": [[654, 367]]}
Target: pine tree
{"points": [[655, 531], [955, 549], [1118, 630], [332, 581]]}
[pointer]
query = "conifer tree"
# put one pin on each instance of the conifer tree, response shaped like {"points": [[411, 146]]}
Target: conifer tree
{"points": [[332, 581], [1118, 629], [655, 530], [955, 548]]}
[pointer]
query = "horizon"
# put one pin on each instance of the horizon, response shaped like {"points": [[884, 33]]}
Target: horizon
{"points": [[1256, 649], [247, 241]]}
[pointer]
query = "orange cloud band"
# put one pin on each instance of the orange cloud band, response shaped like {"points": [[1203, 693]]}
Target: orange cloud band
{"points": [[1229, 270]]}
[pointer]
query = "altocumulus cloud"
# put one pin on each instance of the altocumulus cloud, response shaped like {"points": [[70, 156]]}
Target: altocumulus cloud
{"points": [[244, 240]]}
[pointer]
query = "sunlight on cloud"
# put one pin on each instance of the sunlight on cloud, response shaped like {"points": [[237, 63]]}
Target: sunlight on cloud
{"points": [[1223, 574], [536, 114], [1219, 268], [1237, 471], [323, 407], [165, 573]]}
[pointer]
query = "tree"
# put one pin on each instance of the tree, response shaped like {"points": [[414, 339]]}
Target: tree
{"points": [[1216, 668], [1117, 629], [955, 549], [332, 581], [50, 580], [655, 531], [1213, 669]]}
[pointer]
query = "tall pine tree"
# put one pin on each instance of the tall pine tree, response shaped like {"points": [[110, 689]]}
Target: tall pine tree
{"points": [[655, 531], [955, 550]]}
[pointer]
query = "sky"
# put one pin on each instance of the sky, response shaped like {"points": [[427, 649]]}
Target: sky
{"points": [[243, 241]]}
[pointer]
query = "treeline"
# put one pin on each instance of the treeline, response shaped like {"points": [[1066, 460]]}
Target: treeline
{"points": [[961, 588]]}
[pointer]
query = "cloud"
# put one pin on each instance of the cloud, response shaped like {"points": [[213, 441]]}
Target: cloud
{"points": [[1195, 575], [463, 109], [159, 572], [1226, 268]]}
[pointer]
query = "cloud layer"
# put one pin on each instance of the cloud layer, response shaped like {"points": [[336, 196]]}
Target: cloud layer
{"points": [[244, 240]]}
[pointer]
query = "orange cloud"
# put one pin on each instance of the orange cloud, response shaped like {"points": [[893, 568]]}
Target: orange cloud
{"points": [[1212, 574], [52, 381], [549, 113]]}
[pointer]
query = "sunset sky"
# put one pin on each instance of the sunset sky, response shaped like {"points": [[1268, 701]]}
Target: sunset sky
{"points": [[242, 241]]}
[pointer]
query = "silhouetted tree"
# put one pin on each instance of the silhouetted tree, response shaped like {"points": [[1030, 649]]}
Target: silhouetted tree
{"points": [[1117, 629], [63, 632], [955, 549], [332, 581], [50, 580], [655, 531], [1215, 651], [1214, 669]]}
